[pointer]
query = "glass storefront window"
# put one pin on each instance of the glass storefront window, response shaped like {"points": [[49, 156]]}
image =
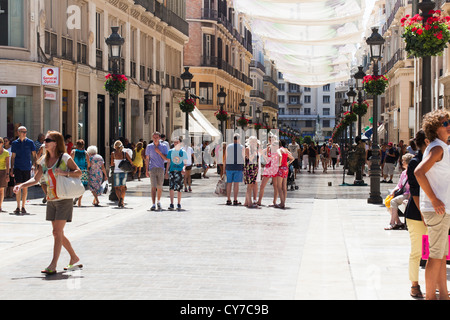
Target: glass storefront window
{"points": [[83, 116], [20, 113]]}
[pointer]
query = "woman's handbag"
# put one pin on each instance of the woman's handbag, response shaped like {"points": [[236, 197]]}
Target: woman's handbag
{"points": [[125, 165], [68, 187]]}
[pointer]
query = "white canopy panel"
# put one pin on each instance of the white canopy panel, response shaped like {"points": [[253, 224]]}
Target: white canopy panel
{"points": [[311, 41]]}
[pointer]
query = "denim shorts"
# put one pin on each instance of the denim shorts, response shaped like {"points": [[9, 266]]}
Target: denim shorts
{"points": [[234, 176], [120, 179]]}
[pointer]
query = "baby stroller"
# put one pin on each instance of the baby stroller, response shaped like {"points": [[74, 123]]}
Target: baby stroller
{"points": [[291, 178]]}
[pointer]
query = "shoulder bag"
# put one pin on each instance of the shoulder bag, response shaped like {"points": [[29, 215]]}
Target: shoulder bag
{"points": [[68, 187], [125, 165]]}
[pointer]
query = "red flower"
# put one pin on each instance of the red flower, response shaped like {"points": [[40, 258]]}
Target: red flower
{"points": [[419, 31], [439, 35]]}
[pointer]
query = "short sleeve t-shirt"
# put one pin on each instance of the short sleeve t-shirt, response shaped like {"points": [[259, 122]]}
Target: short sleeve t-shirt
{"points": [[189, 152], [155, 159], [177, 159], [23, 150], [3, 156], [293, 149], [50, 178]]}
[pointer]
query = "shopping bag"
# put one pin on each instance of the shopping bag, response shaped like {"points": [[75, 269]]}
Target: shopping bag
{"points": [[221, 188], [426, 248]]}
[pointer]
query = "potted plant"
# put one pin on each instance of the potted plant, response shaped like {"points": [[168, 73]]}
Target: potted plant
{"points": [[426, 39], [258, 126], [115, 83], [221, 115], [242, 122], [360, 109], [375, 85], [187, 105], [350, 117]]}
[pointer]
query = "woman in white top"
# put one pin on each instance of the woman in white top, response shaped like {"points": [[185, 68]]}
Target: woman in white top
{"points": [[120, 177], [433, 175], [56, 162]]}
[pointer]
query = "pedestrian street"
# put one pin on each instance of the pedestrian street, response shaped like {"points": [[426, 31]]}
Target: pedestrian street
{"points": [[327, 244]]}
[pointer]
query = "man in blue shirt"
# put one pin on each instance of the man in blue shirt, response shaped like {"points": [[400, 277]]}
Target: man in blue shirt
{"points": [[176, 161], [23, 157], [234, 168], [155, 155]]}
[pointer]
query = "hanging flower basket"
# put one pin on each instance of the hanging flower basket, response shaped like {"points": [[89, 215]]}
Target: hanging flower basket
{"points": [[258, 126], [350, 117], [360, 109], [221, 115], [187, 105], [115, 83], [375, 85], [242, 122], [426, 39]]}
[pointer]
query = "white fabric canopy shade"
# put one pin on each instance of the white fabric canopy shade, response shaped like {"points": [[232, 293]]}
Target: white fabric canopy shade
{"points": [[198, 124], [312, 42]]}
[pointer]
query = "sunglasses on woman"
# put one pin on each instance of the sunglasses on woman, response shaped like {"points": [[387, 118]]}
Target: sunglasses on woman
{"points": [[48, 140], [445, 124]]}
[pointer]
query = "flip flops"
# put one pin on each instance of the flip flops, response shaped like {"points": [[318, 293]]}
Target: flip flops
{"points": [[71, 267], [48, 271]]}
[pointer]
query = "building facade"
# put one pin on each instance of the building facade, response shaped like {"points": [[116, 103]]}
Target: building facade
{"points": [[218, 54], [67, 38], [304, 108]]}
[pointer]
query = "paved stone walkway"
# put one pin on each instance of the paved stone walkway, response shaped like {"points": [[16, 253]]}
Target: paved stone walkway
{"points": [[327, 244]]}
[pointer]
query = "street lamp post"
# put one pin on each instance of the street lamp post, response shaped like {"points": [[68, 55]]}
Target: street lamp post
{"points": [[345, 107], [186, 76], [351, 94], [425, 6], [359, 77], [221, 100], [242, 107], [115, 42], [375, 42]]}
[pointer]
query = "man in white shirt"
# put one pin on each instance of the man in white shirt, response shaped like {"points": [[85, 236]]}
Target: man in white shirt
{"points": [[294, 149]]}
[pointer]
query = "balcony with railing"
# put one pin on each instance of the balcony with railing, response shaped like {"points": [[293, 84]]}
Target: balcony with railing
{"points": [[258, 65], [257, 94], [215, 62]]}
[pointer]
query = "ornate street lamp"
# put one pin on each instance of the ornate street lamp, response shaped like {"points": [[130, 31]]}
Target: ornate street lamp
{"points": [[274, 122], [187, 77], [359, 77], [221, 100], [376, 42], [351, 94], [425, 6], [242, 107], [115, 43]]}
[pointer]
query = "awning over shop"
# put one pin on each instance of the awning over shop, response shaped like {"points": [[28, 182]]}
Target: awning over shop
{"points": [[198, 124]]}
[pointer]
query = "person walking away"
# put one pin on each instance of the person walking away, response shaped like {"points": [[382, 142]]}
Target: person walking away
{"points": [[4, 172], [324, 157], [294, 149], [399, 194], [175, 170], [389, 163], [433, 175], [188, 169], [334, 152], [312, 152], [285, 159], [414, 220], [251, 169], [97, 173], [120, 177], [139, 154], [69, 143], [81, 158], [23, 156], [234, 168], [155, 157], [55, 162], [305, 156]]}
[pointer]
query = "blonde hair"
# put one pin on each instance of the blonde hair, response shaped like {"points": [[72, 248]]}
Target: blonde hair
{"points": [[118, 145]]}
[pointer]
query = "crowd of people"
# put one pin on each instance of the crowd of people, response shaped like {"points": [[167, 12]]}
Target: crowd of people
{"points": [[424, 167]]}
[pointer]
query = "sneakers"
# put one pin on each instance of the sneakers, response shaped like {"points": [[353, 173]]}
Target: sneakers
{"points": [[159, 206], [171, 207], [153, 208], [178, 207]]}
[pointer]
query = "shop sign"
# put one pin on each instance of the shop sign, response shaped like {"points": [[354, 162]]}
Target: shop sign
{"points": [[49, 95], [50, 76], [7, 91]]}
